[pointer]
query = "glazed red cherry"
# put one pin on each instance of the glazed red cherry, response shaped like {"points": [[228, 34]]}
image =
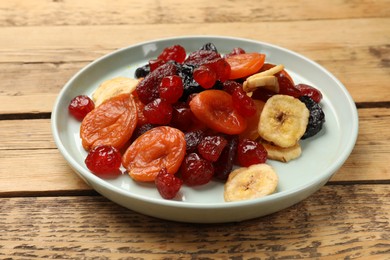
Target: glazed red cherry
{"points": [[250, 152], [80, 106], [205, 76], [104, 160], [175, 52], [243, 103], [168, 185], [196, 170], [154, 64], [158, 112], [171, 88], [286, 87]]}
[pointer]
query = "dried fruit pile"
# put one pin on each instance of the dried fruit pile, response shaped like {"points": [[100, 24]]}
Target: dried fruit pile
{"points": [[186, 119]]}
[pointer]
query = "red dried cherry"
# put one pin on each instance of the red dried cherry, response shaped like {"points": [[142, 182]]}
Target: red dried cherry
{"points": [[168, 185], [176, 53], [80, 106], [211, 147], [158, 112], [243, 103], [154, 64], [196, 170], [205, 76], [250, 152], [104, 160], [171, 88]]}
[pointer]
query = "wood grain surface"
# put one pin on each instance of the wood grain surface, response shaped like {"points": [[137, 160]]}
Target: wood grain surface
{"points": [[47, 211]]}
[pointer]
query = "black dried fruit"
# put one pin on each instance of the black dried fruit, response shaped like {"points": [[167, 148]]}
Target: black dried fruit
{"points": [[142, 71], [190, 86], [316, 118], [209, 47], [224, 165]]}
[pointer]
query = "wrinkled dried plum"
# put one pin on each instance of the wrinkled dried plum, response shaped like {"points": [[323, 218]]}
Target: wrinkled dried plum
{"points": [[316, 118], [209, 47], [190, 86], [224, 165], [142, 72]]}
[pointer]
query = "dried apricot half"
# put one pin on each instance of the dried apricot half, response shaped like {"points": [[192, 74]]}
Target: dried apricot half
{"points": [[161, 147], [111, 123]]}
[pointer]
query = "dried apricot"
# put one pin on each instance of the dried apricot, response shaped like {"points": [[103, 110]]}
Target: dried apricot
{"points": [[215, 109], [161, 147], [111, 123]]}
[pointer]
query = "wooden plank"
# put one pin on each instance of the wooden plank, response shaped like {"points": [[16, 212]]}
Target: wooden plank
{"points": [[32, 142], [42, 65], [90, 12], [337, 222]]}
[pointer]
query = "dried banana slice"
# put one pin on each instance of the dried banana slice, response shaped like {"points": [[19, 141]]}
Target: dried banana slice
{"points": [[255, 181], [113, 87], [268, 82], [282, 154], [283, 120], [264, 79]]}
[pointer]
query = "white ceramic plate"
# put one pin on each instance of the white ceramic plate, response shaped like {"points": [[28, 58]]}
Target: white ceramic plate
{"points": [[322, 155]]}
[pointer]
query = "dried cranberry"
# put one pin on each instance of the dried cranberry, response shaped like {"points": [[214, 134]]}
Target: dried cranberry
{"points": [[193, 138], [168, 185], [250, 152], [104, 160], [181, 116], [243, 103], [196, 170], [171, 88], [210, 147], [154, 64], [225, 163], [286, 87], [176, 53], [221, 68], [147, 89], [309, 91], [158, 112], [205, 76], [200, 57], [80, 106], [229, 86]]}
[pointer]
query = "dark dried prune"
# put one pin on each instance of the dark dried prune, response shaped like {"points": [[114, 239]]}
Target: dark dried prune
{"points": [[316, 118], [142, 72], [225, 162], [209, 47], [190, 86]]}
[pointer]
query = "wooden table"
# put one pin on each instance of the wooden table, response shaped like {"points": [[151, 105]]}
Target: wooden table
{"points": [[47, 211]]}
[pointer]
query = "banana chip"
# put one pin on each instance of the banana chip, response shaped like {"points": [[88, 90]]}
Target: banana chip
{"points": [[113, 87], [251, 182], [283, 120]]}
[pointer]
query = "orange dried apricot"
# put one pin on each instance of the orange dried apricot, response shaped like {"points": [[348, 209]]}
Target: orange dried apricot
{"points": [[111, 123], [161, 147]]}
